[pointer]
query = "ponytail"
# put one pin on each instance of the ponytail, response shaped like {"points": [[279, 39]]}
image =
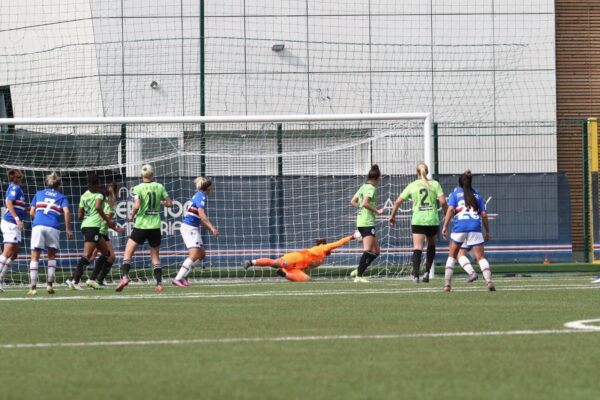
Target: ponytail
{"points": [[374, 173], [422, 172], [465, 181]]}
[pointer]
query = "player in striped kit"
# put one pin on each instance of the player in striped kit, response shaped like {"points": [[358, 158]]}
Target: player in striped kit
{"points": [[12, 222], [190, 229], [46, 208], [468, 208]]}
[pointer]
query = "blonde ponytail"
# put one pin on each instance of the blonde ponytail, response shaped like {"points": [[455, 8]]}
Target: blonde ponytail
{"points": [[422, 172]]}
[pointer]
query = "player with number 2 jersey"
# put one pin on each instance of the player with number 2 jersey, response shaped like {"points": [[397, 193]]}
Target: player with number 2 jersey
{"points": [[468, 208], [425, 194]]}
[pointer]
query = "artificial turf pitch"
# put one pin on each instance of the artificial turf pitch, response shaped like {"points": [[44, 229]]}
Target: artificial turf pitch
{"points": [[326, 339]]}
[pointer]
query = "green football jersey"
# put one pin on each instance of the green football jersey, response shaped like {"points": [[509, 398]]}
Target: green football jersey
{"points": [[366, 217], [424, 198], [91, 217], [108, 210], [150, 195]]}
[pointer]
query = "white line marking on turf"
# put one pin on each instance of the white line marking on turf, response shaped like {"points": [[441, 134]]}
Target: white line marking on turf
{"points": [[291, 339], [583, 324], [196, 295]]}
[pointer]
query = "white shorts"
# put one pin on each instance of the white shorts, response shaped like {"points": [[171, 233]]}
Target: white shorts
{"points": [[191, 236], [468, 239], [43, 237], [11, 233]]}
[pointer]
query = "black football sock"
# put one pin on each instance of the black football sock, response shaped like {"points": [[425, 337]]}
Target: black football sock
{"points": [[371, 257], [105, 270], [157, 274], [362, 264], [430, 257], [81, 264], [125, 266], [98, 267], [416, 262]]}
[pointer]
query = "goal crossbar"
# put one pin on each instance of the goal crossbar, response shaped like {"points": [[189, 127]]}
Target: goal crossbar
{"points": [[426, 117], [214, 119]]}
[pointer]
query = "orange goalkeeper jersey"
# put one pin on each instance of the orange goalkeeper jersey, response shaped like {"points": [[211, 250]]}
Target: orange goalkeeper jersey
{"points": [[313, 257]]}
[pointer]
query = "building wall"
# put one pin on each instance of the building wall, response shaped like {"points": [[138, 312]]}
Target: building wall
{"points": [[465, 62], [577, 76]]}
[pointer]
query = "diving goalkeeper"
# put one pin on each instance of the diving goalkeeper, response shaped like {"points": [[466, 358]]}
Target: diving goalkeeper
{"points": [[292, 265]]}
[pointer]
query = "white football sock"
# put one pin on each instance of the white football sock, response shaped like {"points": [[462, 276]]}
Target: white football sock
{"points": [[4, 263], [485, 269], [465, 263], [33, 272], [449, 270], [185, 269], [51, 270]]}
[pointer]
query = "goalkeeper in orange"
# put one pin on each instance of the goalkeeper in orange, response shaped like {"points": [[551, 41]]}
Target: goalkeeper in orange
{"points": [[292, 265]]}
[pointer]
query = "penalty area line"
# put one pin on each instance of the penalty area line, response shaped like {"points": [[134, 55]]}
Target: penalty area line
{"points": [[242, 340]]}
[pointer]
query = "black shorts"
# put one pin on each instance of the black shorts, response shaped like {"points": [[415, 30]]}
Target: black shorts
{"points": [[105, 237], [141, 235], [366, 231], [91, 234], [427, 230]]}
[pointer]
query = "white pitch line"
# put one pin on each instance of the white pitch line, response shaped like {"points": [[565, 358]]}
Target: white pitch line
{"points": [[196, 295], [584, 324], [318, 281], [291, 339]]}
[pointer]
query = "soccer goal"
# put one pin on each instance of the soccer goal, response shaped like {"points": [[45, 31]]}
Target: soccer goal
{"points": [[279, 182]]}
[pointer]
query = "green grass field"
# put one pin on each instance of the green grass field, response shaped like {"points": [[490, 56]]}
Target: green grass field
{"points": [[327, 339]]}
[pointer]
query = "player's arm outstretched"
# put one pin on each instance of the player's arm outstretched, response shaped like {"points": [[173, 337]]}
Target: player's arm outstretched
{"points": [[332, 246]]}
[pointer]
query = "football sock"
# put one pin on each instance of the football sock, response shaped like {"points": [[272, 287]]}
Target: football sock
{"points": [[485, 269], [189, 270], [157, 273], [185, 268], [4, 264], [371, 257], [81, 264], [366, 260], [465, 263], [98, 267], [105, 270], [362, 264], [416, 261], [33, 273], [429, 257], [51, 271], [449, 270], [125, 268]]}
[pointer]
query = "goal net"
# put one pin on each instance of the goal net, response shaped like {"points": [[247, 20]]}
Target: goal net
{"points": [[279, 183]]}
